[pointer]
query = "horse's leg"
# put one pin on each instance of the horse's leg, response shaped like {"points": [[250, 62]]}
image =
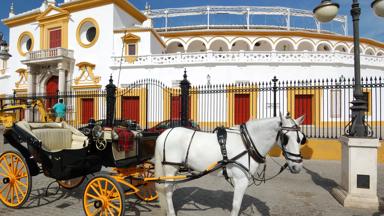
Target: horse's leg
{"points": [[168, 188], [240, 183]]}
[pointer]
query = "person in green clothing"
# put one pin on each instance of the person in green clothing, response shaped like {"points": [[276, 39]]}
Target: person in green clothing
{"points": [[60, 110]]}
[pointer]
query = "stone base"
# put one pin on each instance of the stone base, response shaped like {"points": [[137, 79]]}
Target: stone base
{"points": [[355, 200]]}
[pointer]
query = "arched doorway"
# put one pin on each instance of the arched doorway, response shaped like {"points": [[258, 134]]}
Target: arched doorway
{"points": [[51, 91]]}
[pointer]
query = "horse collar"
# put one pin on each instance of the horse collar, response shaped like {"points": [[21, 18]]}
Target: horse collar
{"points": [[250, 145]]}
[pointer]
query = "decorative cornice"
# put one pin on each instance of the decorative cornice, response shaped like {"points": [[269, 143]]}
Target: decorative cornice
{"points": [[154, 32]]}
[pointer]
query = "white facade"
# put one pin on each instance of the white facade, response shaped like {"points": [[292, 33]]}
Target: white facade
{"points": [[226, 55]]}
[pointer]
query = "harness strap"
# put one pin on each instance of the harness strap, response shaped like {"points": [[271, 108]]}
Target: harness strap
{"points": [[250, 145], [222, 139], [165, 140], [185, 164]]}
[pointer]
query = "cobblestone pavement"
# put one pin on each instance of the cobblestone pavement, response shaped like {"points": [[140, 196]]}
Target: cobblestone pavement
{"points": [[306, 193]]}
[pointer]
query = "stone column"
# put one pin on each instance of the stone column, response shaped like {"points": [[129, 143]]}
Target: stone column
{"points": [[31, 90], [62, 81], [358, 187]]}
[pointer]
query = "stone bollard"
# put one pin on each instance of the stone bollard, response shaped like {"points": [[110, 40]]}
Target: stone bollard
{"points": [[358, 187], [2, 128]]}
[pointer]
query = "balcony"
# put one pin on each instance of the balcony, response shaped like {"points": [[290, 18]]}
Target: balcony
{"points": [[48, 56], [249, 57]]}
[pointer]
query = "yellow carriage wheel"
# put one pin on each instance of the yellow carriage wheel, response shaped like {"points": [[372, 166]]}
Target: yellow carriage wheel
{"points": [[15, 180], [103, 196], [147, 190], [71, 183]]}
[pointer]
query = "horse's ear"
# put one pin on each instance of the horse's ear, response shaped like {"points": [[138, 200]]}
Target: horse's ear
{"points": [[299, 120]]}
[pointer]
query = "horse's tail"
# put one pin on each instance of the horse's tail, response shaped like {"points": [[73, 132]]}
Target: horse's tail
{"points": [[159, 171]]}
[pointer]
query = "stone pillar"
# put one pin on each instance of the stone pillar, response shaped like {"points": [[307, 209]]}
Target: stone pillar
{"points": [[358, 187], [62, 81], [31, 90]]}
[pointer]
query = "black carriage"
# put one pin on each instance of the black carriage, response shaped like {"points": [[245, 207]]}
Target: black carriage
{"points": [[68, 155]]}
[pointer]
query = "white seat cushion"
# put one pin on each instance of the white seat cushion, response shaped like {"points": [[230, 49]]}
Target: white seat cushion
{"points": [[54, 139]]}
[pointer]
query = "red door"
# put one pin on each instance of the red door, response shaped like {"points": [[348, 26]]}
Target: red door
{"points": [[176, 107], [55, 38], [51, 91], [87, 110], [130, 108], [242, 108], [303, 106]]}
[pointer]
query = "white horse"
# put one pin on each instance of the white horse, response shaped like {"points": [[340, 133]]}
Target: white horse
{"points": [[203, 150]]}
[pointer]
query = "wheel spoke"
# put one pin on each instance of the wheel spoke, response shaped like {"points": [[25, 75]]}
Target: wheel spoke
{"points": [[12, 193], [115, 207], [5, 169], [106, 212], [106, 188], [93, 196], [21, 168], [95, 190], [95, 212], [100, 188], [110, 211], [21, 177], [21, 183], [9, 191], [6, 163], [2, 189], [17, 193]]}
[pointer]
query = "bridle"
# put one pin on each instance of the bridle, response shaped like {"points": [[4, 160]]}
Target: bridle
{"points": [[282, 135]]}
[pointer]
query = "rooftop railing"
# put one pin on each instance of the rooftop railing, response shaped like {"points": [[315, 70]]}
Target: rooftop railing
{"points": [[247, 17]]}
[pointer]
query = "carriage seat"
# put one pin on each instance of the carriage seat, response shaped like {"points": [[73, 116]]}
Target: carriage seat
{"points": [[55, 136]]}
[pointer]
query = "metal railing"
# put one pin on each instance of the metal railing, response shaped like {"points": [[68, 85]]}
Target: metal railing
{"points": [[163, 18], [324, 102]]}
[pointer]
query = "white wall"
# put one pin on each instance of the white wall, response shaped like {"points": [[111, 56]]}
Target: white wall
{"points": [[99, 54], [7, 84]]}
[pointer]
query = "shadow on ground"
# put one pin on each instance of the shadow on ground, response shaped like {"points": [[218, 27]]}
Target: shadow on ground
{"points": [[325, 183], [193, 198]]}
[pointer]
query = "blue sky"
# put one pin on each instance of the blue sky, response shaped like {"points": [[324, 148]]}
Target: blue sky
{"points": [[371, 25]]}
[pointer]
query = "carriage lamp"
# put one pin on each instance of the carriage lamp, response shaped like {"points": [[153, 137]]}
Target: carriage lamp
{"points": [[4, 54], [327, 11]]}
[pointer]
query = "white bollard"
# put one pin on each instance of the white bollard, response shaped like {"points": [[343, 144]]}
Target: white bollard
{"points": [[358, 187]]}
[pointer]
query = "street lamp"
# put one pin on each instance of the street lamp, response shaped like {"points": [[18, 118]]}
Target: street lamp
{"points": [[4, 55], [327, 11]]}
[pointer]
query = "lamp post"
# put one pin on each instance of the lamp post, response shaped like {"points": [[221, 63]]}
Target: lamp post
{"points": [[327, 11], [358, 186], [4, 55]]}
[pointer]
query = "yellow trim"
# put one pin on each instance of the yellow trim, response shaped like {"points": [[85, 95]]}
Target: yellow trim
{"points": [[130, 39], [22, 35], [22, 83], [43, 17], [153, 31], [12, 22], [369, 105], [95, 24], [56, 21], [87, 4], [87, 71], [89, 87]]}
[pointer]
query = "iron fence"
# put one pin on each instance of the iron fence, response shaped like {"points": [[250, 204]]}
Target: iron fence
{"points": [[324, 102]]}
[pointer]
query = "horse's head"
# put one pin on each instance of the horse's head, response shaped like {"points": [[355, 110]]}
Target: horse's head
{"points": [[290, 138]]}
